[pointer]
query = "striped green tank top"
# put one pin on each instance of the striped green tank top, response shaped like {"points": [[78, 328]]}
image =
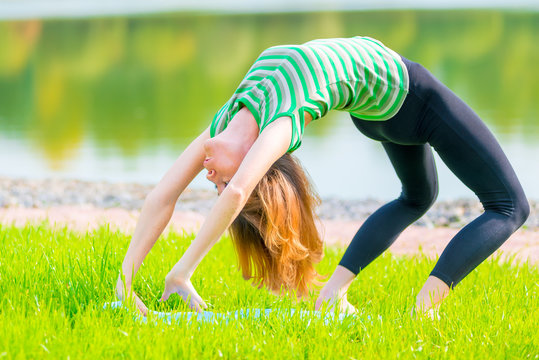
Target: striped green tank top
{"points": [[358, 75]]}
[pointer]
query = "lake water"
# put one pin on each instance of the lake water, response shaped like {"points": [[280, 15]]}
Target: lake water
{"points": [[119, 98]]}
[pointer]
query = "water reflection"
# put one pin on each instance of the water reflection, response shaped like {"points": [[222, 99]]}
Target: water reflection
{"points": [[125, 83]]}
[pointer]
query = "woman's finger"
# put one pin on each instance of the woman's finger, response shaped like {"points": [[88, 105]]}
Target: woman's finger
{"points": [[203, 304], [198, 299], [319, 303], [165, 295], [142, 308], [195, 306], [191, 301]]}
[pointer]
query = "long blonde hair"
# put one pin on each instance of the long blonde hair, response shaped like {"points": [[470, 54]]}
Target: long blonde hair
{"points": [[275, 235]]}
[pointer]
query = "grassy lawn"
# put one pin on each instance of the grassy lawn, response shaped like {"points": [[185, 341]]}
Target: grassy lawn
{"points": [[53, 284]]}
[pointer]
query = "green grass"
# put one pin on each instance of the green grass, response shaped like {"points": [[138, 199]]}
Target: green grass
{"points": [[53, 284]]}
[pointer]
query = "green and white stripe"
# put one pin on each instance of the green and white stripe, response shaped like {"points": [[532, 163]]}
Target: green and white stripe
{"points": [[359, 75]]}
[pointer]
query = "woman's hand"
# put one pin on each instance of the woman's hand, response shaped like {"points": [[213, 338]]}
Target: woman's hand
{"points": [[185, 289], [120, 294]]}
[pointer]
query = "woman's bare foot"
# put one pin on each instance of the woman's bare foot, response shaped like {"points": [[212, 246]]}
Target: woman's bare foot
{"points": [[334, 292], [430, 297], [335, 301]]}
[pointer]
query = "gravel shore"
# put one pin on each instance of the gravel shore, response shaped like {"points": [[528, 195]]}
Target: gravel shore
{"points": [[130, 196]]}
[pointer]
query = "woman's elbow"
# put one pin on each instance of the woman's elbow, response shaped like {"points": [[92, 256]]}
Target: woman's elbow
{"points": [[237, 194]]}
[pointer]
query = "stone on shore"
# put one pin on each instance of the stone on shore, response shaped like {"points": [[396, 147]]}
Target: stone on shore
{"points": [[130, 196]]}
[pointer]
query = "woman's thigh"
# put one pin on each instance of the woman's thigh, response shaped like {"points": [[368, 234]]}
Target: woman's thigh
{"points": [[470, 150], [432, 114]]}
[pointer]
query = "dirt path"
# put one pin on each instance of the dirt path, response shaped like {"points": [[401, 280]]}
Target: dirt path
{"points": [[524, 244]]}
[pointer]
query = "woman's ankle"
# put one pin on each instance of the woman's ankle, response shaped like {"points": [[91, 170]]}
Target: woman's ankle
{"points": [[433, 292]]}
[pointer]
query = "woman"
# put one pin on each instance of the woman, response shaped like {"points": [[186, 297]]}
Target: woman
{"points": [[267, 199]]}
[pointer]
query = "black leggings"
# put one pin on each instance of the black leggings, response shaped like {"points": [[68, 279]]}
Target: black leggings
{"points": [[432, 115]]}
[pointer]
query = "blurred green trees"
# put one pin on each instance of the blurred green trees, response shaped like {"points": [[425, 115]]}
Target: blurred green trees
{"points": [[124, 82]]}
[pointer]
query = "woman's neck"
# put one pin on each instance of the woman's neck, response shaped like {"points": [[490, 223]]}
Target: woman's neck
{"points": [[242, 129]]}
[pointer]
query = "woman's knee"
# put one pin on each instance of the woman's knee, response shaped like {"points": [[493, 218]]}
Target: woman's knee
{"points": [[516, 209], [521, 211], [421, 199]]}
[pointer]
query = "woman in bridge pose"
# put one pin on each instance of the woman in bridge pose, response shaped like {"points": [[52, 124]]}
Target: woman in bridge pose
{"points": [[266, 198]]}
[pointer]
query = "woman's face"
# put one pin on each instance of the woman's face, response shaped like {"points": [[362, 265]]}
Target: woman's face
{"points": [[222, 161]]}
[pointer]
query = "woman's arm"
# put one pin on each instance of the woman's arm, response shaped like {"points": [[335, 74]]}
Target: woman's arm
{"points": [[159, 205], [270, 145]]}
